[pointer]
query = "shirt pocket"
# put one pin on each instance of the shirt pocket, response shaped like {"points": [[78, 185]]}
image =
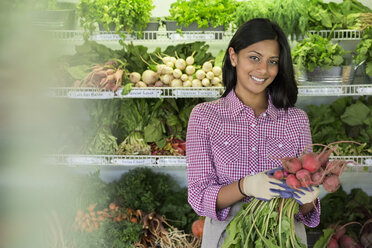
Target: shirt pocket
{"points": [[226, 148], [279, 148]]}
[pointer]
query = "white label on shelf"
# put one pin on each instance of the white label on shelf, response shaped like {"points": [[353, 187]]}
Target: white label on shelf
{"points": [[141, 93], [105, 37], [320, 91], [91, 94], [368, 161], [85, 160], [175, 161], [196, 93], [364, 90], [192, 36], [123, 161]]}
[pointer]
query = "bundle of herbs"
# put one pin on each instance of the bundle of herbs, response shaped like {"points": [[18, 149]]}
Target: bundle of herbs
{"points": [[364, 51]]}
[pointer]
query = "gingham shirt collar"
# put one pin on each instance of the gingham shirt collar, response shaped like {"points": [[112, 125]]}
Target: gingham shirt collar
{"points": [[236, 106]]}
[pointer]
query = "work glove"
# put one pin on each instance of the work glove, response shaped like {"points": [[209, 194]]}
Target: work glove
{"points": [[265, 188], [306, 195]]}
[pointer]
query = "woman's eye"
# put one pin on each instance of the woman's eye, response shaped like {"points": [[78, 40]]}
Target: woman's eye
{"points": [[274, 62], [254, 58]]}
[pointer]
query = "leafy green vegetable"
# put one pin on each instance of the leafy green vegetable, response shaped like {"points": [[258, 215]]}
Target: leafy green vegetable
{"points": [[364, 51], [324, 239]]}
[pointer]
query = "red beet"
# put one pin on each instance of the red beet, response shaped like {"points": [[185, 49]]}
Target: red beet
{"points": [[278, 175], [332, 243], [317, 177], [340, 231], [310, 162], [304, 177], [347, 242], [292, 181], [291, 165], [331, 183]]}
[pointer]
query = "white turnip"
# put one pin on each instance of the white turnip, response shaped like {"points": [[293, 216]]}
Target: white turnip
{"points": [[196, 83], [207, 66], [190, 69], [187, 83], [184, 77], [200, 74], [206, 82], [149, 77], [134, 77], [209, 75], [177, 73], [176, 83], [180, 64], [217, 70]]}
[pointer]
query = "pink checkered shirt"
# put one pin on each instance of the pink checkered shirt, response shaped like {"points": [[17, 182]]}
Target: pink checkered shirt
{"points": [[225, 142]]}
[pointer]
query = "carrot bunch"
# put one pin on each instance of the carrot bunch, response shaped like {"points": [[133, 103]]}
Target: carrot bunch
{"points": [[107, 77]]}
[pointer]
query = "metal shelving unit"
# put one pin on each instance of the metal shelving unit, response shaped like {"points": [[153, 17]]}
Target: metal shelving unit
{"points": [[202, 92], [75, 160], [342, 34]]}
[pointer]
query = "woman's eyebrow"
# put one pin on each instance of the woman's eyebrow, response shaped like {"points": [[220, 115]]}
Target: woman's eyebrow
{"points": [[261, 54]]}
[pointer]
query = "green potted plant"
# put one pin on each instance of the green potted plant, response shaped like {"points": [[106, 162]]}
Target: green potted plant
{"points": [[319, 60], [204, 15], [121, 16], [364, 54], [54, 15]]}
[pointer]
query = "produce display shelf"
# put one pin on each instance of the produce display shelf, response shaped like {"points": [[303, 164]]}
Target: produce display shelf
{"points": [[157, 161], [150, 36], [199, 92], [342, 34], [150, 92]]}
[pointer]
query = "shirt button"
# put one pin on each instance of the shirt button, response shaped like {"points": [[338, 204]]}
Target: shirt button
{"points": [[254, 149], [264, 114]]}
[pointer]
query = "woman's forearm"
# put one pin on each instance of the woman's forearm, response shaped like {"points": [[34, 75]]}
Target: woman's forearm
{"points": [[228, 195], [308, 207]]}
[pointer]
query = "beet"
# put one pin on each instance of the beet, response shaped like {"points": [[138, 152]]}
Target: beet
{"points": [[331, 183], [278, 175], [292, 181], [304, 177], [310, 162], [332, 243], [291, 165], [347, 242]]}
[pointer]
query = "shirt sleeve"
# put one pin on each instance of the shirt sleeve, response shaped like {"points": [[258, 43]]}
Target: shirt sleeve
{"points": [[201, 175], [311, 219]]}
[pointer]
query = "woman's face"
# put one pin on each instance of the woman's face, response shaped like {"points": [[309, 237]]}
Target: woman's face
{"points": [[256, 66]]}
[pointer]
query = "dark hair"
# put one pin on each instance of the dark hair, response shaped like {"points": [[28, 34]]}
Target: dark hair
{"points": [[283, 90]]}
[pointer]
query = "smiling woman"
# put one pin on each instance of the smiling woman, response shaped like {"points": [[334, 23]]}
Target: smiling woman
{"points": [[230, 142]]}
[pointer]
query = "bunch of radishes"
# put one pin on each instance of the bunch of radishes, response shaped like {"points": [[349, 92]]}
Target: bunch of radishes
{"points": [[104, 77], [313, 169], [179, 72]]}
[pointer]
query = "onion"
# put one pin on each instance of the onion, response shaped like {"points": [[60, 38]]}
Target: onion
{"points": [[134, 77], [217, 70], [190, 69], [149, 77], [207, 66], [200, 74], [176, 83], [205, 82], [187, 83], [196, 83], [177, 73], [180, 64]]}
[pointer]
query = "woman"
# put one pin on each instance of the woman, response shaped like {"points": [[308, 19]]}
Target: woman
{"points": [[232, 141]]}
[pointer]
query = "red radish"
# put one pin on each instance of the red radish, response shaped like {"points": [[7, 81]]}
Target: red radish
{"points": [[332, 243], [278, 175], [347, 242], [293, 182], [331, 183], [310, 162], [304, 177], [291, 165]]}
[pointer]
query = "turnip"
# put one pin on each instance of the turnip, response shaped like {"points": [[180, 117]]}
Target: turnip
{"points": [[173, 60], [166, 79], [187, 83], [209, 75], [177, 73], [170, 64], [134, 77], [292, 181], [176, 83], [166, 59], [168, 70], [141, 84], [217, 70], [161, 68], [180, 64], [190, 69], [184, 77], [190, 59], [205, 82], [215, 80], [304, 177], [331, 183], [310, 162], [200, 74], [196, 83], [191, 78], [149, 77], [207, 66]]}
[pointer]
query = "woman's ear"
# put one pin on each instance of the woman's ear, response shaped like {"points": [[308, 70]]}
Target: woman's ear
{"points": [[232, 56]]}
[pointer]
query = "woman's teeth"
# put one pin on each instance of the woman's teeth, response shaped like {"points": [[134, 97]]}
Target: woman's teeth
{"points": [[258, 79]]}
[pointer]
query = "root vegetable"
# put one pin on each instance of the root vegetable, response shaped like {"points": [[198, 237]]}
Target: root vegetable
{"points": [[177, 73], [168, 70], [190, 69], [141, 84], [200, 74], [205, 82], [293, 182], [180, 64], [159, 84], [184, 77], [197, 228], [176, 83], [209, 75], [278, 174], [331, 183], [347, 242], [169, 64], [207, 66], [190, 59], [166, 59], [149, 77], [161, 68], [310, 162], [332, 243], [173, 60], [187, 83], [134, 77], [191, 78], [196, 83], [304, 177], [215, 80], [217, 70], [317, 177], [166, 79], [291, 165]]}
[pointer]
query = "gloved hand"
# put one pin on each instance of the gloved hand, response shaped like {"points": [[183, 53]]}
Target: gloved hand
{"points": [[265, 188], [306, 195]]}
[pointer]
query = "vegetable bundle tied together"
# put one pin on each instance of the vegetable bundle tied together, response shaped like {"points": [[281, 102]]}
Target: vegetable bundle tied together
{"points": [[264, 224]]}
